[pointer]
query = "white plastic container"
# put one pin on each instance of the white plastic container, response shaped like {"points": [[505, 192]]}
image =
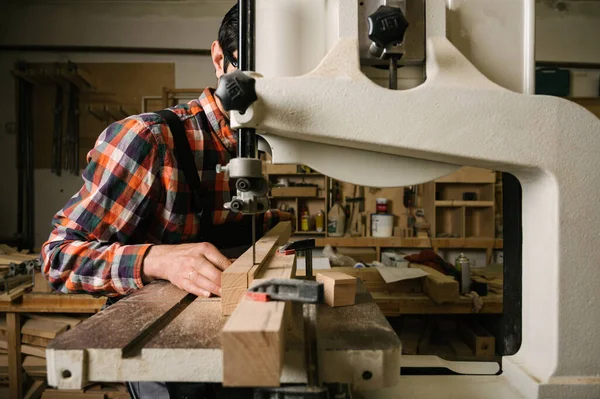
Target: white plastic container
{"points": [[382, 225], [336, 221]]}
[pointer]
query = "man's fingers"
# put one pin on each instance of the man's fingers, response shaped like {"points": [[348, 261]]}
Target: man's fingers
{"points": [[205, 284], [208, 270], [192, 288], [215, 257]]}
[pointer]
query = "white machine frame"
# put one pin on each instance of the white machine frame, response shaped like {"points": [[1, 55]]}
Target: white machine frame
{"points": [[334, 116]]}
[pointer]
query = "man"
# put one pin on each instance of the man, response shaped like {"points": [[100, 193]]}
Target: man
{"points": [[135, 219]]}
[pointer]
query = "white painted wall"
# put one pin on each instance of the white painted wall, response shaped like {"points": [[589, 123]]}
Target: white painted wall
{"points": [[568, 31], [570, 34], [165, 24]]}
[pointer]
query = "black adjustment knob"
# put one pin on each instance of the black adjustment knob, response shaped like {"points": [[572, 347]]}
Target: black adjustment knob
{"points": [[387, 26], [236, 91]]}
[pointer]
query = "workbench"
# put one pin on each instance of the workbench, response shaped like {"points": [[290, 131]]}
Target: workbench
{"points": [[401, 303], [161, 333], [38, 303]]}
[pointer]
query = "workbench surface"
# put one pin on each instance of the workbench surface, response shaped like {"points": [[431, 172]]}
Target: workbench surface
{"points": [[161, 333]]}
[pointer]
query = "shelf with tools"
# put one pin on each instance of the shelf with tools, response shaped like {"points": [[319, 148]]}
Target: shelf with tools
{"points": [[298, 189], [462, 204]]}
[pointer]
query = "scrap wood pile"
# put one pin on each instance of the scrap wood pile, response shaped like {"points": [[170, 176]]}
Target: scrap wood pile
{"points": [[37, 330], [448, 337]]}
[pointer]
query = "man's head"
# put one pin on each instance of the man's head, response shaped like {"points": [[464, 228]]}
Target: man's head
{"points": [[224, 51]]}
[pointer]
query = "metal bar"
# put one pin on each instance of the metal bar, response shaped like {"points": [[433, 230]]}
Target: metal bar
{"points": [[309, 314], [394, 72], [247, 141]]}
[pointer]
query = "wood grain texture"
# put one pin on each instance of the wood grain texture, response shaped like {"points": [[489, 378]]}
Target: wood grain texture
{"points": [[36, 341], [38, 351], [439, 287], [43, 328], [236, 278], [55, 303], [253, 344], [70, 321], [13, 328], [340, 288]]}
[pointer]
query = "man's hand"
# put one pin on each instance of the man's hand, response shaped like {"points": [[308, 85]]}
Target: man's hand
{"points": [[195, 268]]}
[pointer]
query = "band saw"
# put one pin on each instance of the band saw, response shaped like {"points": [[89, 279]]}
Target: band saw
{"points": [[311, 103]]}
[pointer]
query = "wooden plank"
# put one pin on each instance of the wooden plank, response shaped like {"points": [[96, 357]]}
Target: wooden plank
{"points": [[55, 303], [294, 191], [340, 288], [236, 278], [13, 328], [375, 283], [34, 366], [396, 304], [16, 292], [36, 341], [253, 344], [43, 328], [478, 339], [398, 242], [38, 351], [469, 174], [439, 287], [70, 321], [36, 389]]}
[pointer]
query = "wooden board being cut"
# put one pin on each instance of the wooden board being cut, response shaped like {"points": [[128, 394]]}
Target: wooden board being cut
{"points": [[236, 279]]}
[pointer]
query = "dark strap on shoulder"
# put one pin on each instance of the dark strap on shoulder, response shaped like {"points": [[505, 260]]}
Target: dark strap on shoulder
{"points": [[185, 157]]}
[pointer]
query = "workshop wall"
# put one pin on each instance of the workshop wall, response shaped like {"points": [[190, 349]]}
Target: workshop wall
{"points": [[567, 30], [184, 25]]}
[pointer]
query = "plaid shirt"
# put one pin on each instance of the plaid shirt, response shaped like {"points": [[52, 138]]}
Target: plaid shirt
{"points": [[135, 196]]}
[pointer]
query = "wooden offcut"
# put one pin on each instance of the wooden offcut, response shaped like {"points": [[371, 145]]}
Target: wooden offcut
{"points": [[439, 287], [36, 341], [236, 278], [37, 351], [481, 342], [253, 344], [43, 328], [340, 288]]}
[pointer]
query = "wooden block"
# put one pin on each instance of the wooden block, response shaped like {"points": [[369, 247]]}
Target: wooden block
{"points": [[70, 321], [252, 342], [33, 340], [38, 351], [294, 191], [44, 328], [235, 279], [481, 342], [438, 286], [375, 283], [340, 288], [41, 284]]}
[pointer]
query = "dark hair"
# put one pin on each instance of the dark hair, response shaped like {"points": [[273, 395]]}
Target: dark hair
{"points": [[228, 36]]}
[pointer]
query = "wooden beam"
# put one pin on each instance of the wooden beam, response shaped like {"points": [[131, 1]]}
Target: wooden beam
{"points": [[236, 278], [38, 351], [438, 286], [253, 344], [13, 334]]}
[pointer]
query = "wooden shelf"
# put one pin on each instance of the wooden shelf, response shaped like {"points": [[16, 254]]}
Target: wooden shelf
{"points": [[396, 304], [456, 203], [313, 232], [397, 242]]}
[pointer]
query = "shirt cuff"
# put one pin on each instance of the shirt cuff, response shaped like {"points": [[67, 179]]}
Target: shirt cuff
{"points": [[130, 260]]}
